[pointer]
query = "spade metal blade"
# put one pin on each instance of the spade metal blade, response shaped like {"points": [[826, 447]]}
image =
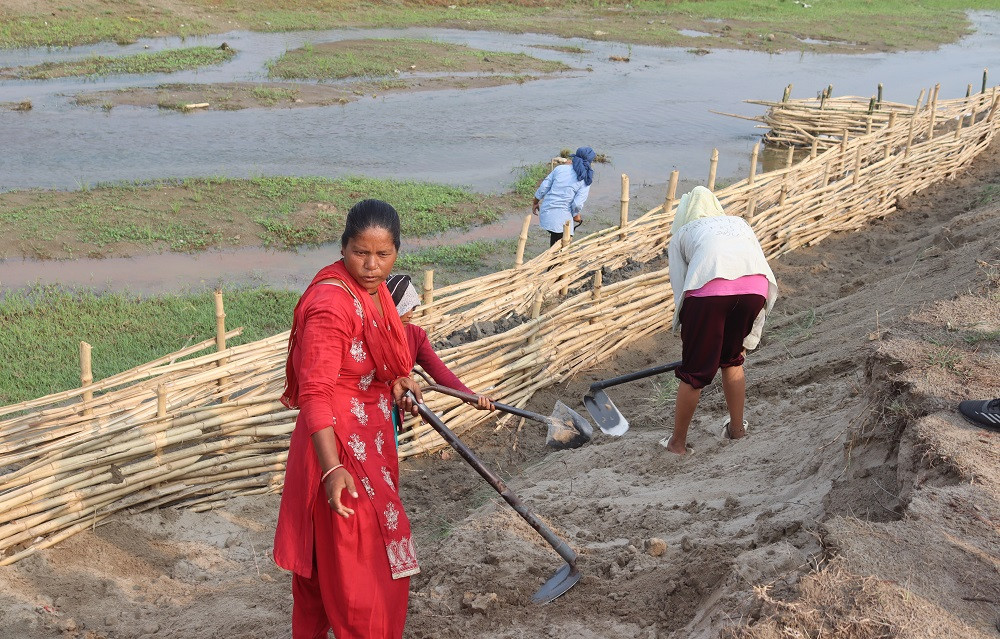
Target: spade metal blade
{"points": [[606, 415], [567, 428], [558, 584]]}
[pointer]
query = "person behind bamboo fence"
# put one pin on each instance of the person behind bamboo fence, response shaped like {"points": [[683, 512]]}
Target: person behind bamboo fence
{"points": [[406, 298], [561, 195], [722, 288], [351, 551]]}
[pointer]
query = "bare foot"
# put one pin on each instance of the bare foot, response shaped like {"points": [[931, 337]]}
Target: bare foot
{"points": [[669, 444]]}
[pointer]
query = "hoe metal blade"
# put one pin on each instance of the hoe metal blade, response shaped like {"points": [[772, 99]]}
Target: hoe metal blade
{"points": [[606, 415]]}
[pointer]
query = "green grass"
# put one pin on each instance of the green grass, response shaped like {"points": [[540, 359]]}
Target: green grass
{"points": [[270, 96], [167, 61], [870, 23], [385, 57], [529, 177], [469, 255], [44, 326], [196, 214]]}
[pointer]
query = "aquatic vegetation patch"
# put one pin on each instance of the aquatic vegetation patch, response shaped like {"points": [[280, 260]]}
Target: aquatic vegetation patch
{"points": [[388, 57], [167, 61]]}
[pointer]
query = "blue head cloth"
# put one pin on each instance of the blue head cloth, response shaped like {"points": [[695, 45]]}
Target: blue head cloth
{"points": [[581, 164]]}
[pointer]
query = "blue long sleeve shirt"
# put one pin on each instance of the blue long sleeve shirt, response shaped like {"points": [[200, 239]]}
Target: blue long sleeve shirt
{"points": [[562, 196]]}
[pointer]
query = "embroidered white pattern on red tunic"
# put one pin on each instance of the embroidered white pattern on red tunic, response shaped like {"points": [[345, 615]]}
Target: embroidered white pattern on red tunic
{"points": [[391, 517], [358, 350], [358, 410], [387, 476], [358, 447]]}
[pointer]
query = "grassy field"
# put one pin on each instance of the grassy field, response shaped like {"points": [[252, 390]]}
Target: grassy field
{"points": [[469, 255], [756, 24], [167, 61], [44, 326], [385, 57], [198, 214]]}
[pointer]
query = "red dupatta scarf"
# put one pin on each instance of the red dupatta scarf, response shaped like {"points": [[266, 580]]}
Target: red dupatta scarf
{"points": [[385, 336]]}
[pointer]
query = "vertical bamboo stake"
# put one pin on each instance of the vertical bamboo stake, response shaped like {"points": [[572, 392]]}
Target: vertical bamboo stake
{"points": [[751, 208], [920, 98], [753, 162], [161, 400], [868, 125], [624, 209], [791, 157], [220, 333], [713, 166], [668, 202], [86, 375], [522, 241], [598, 283], [933, 101], [985, 73], [788, 93], [566, 239], [428, 296], [536, 310], [871, 105], [814, 148], [879, 103], [958, 127], [857, 166], [844, 137], [968, 90], [909, 136]]}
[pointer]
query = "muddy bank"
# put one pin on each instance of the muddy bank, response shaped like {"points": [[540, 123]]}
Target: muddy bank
{"points": [[235, 96], [850, 497]]}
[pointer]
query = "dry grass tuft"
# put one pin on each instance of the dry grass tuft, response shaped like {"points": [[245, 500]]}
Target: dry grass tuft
{"points": [[832, 603]]}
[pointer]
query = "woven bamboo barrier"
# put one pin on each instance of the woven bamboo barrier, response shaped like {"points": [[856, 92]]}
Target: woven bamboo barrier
{"points": [[824, 122], [195, 429]]}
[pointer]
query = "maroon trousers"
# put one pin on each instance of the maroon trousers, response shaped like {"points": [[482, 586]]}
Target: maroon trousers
{"points": [[712, 332]]}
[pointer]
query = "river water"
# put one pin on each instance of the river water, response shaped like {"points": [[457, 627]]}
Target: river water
{"points": [[651, 115]]}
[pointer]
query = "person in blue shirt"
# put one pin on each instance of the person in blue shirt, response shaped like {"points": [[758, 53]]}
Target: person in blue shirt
{"points": [[561, 195]]}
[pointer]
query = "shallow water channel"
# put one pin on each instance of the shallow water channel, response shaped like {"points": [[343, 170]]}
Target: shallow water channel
{"points": [[651, 115]]}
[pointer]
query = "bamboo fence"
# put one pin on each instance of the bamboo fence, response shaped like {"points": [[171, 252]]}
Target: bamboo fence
{"points": [[823, 122], [195, 428]]}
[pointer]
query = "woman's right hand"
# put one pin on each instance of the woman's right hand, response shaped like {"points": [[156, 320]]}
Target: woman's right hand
{"points": [[335, 484]]}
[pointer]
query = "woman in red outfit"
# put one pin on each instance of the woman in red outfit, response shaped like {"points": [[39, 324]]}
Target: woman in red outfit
{"points": [[341, 528]]}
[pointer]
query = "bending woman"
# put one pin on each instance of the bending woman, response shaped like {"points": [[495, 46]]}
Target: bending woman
{"points": [[721, 283], [351, 550], [561, 195]]}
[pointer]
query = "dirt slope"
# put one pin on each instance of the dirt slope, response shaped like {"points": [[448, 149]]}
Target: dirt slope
{"points": [[860, 499]]}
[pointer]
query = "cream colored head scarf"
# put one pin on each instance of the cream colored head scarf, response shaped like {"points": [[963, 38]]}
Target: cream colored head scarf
{"points": [[699, 203]]}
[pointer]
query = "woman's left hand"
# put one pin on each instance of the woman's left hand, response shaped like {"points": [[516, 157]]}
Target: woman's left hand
{"points": [[399, 389]]}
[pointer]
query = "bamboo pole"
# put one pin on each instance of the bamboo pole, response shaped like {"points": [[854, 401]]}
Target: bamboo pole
{"points": [[985, 74], [753, 163], [668, 202], [428, 294], [86, 377], [787, 93], [522, 241], [161, 400], [790, 157], [624, 208], [933, 101], [713, 166]]}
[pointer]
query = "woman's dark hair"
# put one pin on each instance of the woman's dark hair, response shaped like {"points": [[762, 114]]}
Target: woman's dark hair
{"points": [[367, 214]]}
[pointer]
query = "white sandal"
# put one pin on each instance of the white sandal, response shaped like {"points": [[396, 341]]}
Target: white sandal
{"points": [[725, 429]]}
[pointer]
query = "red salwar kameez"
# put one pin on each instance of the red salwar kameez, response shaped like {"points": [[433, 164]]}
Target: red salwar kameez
{"points": [[350, 574]]}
